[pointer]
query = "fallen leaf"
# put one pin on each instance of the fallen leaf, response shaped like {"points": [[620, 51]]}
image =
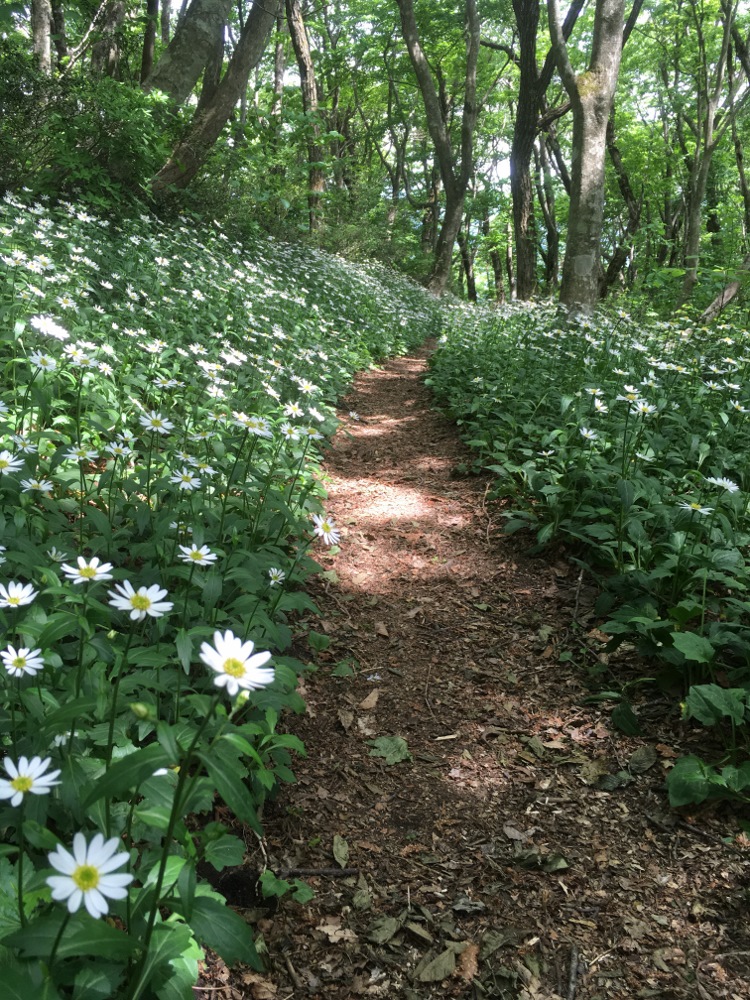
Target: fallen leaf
{"points": [[439, 968], [392, 748], [331, 927], [346, 718], [260, 988], [368, 703], [382, 930], [642, 759], [381, 629], [467, 962], [340, 850]]}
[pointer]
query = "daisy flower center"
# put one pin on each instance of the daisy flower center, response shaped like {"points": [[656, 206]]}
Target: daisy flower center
{"points": [[86, 877], [15, 601], [140, 602], [22, 783], [234, 667], [198, 556], [88, 571], [4, 463], [19, 662]]}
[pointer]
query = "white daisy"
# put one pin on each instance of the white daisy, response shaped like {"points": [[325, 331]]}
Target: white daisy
{"points": [[9, 463], [186, 479], [27, 776], [325, 528], [22, 661], [154, 421], [146, 601], [276, 577], [235, 664], [15, 595], [89, 571], [202, 556], [86, 876]]}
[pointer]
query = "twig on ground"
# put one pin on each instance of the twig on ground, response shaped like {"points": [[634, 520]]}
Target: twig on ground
{"points": [[309, 872], [573, 978], [293, 974]]}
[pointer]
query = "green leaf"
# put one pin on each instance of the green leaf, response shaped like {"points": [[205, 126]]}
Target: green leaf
{"points": [[689, 782], [626, 720], [83, 937], [340, 850], [98, 982], [393, 748], [737, 779], [220, 928], [228, 775], [693, 647], [184, 649], [709, 704], [170, 941], [23, 980], [127, 773], [226, 852]]}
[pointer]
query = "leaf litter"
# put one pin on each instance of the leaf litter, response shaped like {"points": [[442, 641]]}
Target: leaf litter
{"points": [[494, 834]]}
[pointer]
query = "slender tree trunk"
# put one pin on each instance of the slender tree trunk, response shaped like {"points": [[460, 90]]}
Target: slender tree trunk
{"points": [[509, 264], [41, 31], [455, 170], [467, 258], [190, 154], [315, 152], [149, 38], [623, 250], [279, 66], [165, 20], [106, 51], [58, 28], [495, 260], [591, 95], [180, 65]]}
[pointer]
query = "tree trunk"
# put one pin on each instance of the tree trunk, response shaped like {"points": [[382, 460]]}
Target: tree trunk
{"points": [[509, 264], [279, 66], [315, 152], [41, 31], [149, 38], [58, 27], [591, 95], [467, 258], [727, 293], [212, 75], [106, 50], [180, 65], [455, 169], [191, 152], [165, 20], [495, 261], [622, 251]]}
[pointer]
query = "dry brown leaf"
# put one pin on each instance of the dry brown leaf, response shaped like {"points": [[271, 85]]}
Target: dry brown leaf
{"points": [[468, 966], [260, 988], [367, 704], [346, 718], [381, 629]]}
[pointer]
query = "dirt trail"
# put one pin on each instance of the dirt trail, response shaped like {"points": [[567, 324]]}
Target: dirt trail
{"points": [[492, 862]]}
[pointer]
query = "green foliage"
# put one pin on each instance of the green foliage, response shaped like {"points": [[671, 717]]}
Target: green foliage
{"points": [[623, 441], [166, 393]]}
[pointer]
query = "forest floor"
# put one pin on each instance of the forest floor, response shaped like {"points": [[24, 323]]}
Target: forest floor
{"points": [[521, 849]]}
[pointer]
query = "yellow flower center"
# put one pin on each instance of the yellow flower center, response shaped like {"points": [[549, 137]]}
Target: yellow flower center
{"points": [[195, 554], [22, 783], [140, 602], [19, 662], [86, 877], [4, 463], [234, 667], [89, 572], [14, 600]]}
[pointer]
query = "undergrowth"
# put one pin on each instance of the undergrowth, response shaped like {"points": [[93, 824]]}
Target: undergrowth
{"points": [[626, 441], [166, 393]]}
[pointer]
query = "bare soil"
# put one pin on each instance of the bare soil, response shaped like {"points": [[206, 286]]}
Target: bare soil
{"points": [[522, 848]]}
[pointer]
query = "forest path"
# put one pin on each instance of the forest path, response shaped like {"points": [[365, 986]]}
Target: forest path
{"points": [[493, 861]]}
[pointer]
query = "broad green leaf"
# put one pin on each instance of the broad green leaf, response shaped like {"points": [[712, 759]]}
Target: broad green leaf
{"points": [[709, 704], [392, 748], [737, 779], [127, 773], [217, 926], [626, 720], [689, 782], [227, 775], [98, 982], [693, 647], [83, 937], [226, 852]]}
